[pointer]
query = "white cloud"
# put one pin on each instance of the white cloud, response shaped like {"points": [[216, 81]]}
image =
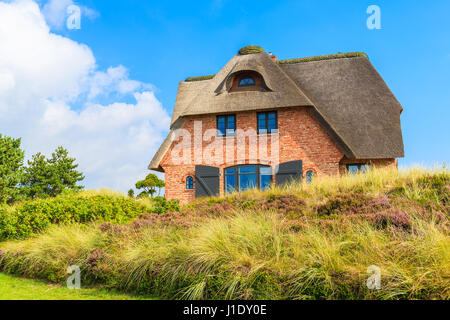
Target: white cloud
{"points": [[115, 79], [42, 75]]}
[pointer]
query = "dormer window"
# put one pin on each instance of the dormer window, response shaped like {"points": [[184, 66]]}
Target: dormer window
{"points": [[246, 81]]}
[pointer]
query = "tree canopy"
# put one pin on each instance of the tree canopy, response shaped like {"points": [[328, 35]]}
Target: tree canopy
{"points": [[50, 177], [11, 165], [150, 184]]}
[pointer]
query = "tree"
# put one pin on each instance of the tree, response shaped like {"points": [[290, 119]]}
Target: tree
{"points": [[50, 177], [11, 168], [150, 184], [131, 193]]}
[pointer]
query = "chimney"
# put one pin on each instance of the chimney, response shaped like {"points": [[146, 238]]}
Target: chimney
{"points": [[273, 57]]}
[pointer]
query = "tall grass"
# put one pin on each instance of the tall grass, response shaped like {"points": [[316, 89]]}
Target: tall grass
{"points": [[256, 253]]}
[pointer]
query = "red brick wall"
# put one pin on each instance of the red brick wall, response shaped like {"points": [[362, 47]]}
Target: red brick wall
{"points": [[301, 137]]}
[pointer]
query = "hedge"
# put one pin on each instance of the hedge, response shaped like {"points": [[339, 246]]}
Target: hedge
{"points": [[35, 216]]}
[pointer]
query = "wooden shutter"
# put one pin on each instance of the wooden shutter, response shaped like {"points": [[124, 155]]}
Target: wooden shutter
{"points": [[288, 171], [206, 181]]}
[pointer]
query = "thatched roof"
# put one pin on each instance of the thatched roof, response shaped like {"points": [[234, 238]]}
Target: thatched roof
{"points": [[347, 96], [353, 98]]}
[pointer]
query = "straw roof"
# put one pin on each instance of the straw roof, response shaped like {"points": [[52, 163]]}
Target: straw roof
{"points": [[346, 95]]}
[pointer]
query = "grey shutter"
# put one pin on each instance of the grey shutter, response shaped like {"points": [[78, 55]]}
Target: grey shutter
{"points": [[206, 181], [288, 171]]}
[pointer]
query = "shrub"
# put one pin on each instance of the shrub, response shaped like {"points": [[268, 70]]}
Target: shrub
{"points": [[161, 205], [341, 203], [396, 218], [37, 215]]}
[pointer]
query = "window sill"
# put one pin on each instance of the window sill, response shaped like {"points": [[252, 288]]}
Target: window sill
{"points": [[269, 133]]}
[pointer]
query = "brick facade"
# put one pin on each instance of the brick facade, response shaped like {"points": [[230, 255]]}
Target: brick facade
{"points": [[301, 137]]}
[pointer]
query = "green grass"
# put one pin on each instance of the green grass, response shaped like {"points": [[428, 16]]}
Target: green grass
{"points": [[14, 288]]}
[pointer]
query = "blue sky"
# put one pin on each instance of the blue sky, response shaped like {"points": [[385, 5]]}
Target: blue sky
{"points": [[164, 42], [107, 90]]}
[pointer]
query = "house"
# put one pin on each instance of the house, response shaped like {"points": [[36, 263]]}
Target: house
{"points": [[262, 121]]}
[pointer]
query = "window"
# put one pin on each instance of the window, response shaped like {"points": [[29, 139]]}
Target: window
{"points": [[244, 177], [265, 177], [309, 176], [358, 167], [247, 178], [226, 125], [246, 81], [267, 122], [189, 183]]}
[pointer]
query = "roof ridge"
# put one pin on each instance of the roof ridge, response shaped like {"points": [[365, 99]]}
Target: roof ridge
{"points": [[324, 57], [296, 60]]}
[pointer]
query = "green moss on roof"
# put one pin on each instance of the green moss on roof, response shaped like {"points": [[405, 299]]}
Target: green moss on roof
{"points": [[326, 57], [201, 78], [250, 50]]}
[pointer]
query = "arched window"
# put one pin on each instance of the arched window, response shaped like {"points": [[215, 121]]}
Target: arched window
{"points": [[246, 81], [189, 183], [309, 176]]}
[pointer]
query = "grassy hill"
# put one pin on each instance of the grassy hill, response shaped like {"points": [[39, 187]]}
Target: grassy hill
{"points": [[298, 242]]}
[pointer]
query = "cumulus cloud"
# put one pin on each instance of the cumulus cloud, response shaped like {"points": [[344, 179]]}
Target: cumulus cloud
{"points": [[115, 79], [42, 77]]}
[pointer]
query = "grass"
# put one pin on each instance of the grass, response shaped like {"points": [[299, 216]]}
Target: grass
{"points": [[14, 288], [296, 242]]}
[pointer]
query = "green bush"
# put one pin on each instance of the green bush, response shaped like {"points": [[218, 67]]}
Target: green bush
{"points": [[37, 215], [161, 205]]}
